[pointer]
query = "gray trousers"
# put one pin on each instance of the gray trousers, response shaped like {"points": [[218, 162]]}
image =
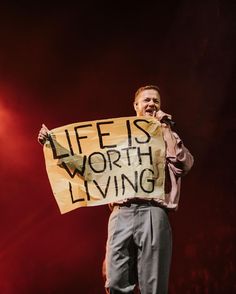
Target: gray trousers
{"points": [[138, 252]]}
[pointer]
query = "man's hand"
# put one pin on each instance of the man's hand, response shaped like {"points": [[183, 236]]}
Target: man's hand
{"points": [[43, 134], [160, 114], [167, 133]]}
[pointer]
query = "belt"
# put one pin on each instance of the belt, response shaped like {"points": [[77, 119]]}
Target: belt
{"points": [[140, 201]]}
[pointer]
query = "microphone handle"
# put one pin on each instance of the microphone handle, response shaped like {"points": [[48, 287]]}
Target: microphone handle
{"points": [[168, 121]]}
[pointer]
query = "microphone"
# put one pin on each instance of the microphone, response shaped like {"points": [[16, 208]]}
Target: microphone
{"points": [[166, 120]]}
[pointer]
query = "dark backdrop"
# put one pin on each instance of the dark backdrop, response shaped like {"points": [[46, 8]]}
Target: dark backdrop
{"points": [[65, 63]]}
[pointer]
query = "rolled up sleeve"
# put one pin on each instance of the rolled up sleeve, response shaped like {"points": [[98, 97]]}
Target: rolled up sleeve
{"points": [[182, 161]]}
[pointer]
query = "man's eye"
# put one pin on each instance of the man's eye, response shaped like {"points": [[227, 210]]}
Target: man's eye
{"points": [[156, 101]]}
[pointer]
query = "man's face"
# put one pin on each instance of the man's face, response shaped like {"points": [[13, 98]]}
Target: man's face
{"points": [[147, 102]]}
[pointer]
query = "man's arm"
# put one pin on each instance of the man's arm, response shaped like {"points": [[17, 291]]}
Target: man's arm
{"points": [[71, 162], [177, 155]]}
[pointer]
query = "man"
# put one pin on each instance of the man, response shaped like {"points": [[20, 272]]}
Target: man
{"points": [[139, 245]]}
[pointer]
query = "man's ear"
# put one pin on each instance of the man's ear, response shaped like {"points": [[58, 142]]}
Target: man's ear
{"points": [[135, 105]]}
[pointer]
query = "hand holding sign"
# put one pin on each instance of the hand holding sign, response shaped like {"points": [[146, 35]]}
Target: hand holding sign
{"points": [[43, 134]]}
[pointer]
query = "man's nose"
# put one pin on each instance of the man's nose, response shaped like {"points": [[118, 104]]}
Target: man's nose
{"points": [[151, 102]]}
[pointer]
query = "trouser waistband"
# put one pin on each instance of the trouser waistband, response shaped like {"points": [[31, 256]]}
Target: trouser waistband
{"points": [[141, 202]]}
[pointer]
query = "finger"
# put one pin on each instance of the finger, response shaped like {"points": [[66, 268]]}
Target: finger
{"points": [[45, 127], [159, 114], [42, 139], [43, 132]]}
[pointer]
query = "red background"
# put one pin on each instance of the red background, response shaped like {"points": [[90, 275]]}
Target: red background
{"points": [[64, 63]]}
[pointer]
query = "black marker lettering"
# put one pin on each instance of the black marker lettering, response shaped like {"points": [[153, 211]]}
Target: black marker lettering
{"points": [[104, 193], [72, 197], [86, 189], [92, 164], [127, 153], [69, 142], [54, 150], [109, 154], [129, 133], [133, 185], [82, 137], [148, 179], [100, 135], [76, 170], [116, 185], [144, 131], [140, 154]]}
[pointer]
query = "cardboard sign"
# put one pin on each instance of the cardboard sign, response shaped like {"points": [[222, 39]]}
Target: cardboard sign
{"points": [[104, 161]]}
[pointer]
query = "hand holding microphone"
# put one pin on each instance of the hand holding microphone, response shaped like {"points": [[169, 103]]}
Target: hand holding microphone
{"points": [[164, 118], [168, 121]]}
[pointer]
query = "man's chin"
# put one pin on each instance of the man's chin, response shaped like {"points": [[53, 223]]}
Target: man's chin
{"points": [[148, 113]]}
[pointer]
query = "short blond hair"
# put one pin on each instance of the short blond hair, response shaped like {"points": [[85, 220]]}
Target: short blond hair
{"points": [[148, 87]]}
